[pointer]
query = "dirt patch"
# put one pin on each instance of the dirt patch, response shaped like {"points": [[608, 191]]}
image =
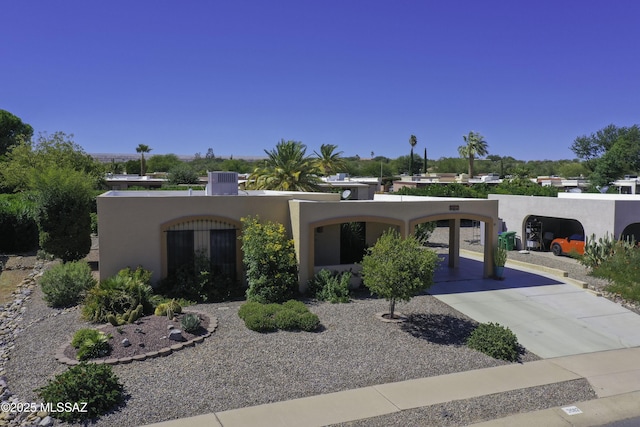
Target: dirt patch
{"points": [[146, 335]]}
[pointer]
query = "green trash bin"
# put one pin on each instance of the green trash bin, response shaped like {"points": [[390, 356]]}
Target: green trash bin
{"points": [[507, 240]]}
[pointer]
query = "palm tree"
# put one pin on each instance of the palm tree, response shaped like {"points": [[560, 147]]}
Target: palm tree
{"points": [[329, 162], [475, 146], [142, 148], [287, 168], [412, 141]]}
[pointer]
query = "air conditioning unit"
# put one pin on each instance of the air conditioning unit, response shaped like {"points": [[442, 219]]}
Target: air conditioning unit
{"points": [[222, 183]]}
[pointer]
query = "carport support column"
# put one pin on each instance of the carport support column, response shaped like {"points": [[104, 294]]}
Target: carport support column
{"points": [[454, 242]]}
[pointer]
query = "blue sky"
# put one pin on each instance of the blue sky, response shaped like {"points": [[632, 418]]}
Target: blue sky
{"points": [[238, 76]]}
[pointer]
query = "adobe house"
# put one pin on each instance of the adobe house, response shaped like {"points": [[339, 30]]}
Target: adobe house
{"points": [[158, 229]]}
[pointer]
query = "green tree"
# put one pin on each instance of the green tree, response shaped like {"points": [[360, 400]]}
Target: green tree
{"points": [[287, 168], [397, 269], [162, 162], [412, 141], [572, 170], [64, 205], [12, 131], [475, 146], [132, 167], [328, 161], [235, 165], [609, 153], [183, 174], [143, 148], [56, 150], [270, 261]]}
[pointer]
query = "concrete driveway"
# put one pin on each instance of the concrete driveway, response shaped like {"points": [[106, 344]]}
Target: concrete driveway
{"points": [[551, 318]]}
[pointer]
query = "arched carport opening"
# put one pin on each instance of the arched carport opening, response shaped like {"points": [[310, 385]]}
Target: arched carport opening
{"points": [[478, 229], [539, 231], [631, 232]]}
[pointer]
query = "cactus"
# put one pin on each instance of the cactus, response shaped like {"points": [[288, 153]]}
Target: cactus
{"points": [[168, 309], [128, 316], [161, 310]]}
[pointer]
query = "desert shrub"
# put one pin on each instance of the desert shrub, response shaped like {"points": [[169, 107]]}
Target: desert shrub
{"points": [[91, 344], [596, 251], [118, 294], [200, 282], [87, 383], [622, 270], [308, 322], [496, 341], [270, 261], [286, 320], [291, 315], [65, 284], [190, 322], [332, 287], [260, 323], [294, 305]]}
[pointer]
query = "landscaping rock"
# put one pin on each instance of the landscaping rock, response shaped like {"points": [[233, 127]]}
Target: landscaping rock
{"points": [[176, 335]]}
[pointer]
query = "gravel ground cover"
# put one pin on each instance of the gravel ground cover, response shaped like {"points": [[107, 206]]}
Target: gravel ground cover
{"points": [[236, 367]]}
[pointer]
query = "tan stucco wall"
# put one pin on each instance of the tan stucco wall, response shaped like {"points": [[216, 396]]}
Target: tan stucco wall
{"points": [[131, 224], [402, 212]]}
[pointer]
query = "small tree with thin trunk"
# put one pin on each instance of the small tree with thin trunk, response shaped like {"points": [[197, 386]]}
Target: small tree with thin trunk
{"points": [[398, 269]]}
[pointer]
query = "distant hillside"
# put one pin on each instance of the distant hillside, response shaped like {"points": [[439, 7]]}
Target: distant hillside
{"points": [[124, 157]]}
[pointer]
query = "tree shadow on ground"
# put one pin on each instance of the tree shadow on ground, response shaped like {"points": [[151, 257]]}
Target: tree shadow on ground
{"points": [[439, 328]]}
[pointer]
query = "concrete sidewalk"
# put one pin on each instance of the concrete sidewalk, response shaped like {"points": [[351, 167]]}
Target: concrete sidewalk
{"points": [[579, 334], [614, 375]]}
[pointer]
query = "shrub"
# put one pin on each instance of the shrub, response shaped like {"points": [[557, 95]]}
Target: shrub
{"points": [[64, 207], [65, 284], [308, 322], [260, 323], [495, 341], [118, 294], [87, 383], [94, 223], [270, 261], [291, 315], [91, 344], [327, 286], [18, 226], [397, 268], [286, 320], [190, 322], [424, 231]]}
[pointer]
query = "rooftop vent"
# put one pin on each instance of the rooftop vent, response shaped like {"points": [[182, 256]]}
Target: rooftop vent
{"points": [[222, 183]]}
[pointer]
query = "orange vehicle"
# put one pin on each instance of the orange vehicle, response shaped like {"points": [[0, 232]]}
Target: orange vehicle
{"points": [[568, 245]]}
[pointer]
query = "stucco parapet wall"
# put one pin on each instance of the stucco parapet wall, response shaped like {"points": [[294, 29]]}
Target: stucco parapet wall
{"points": [[399, 198], [597, 196], [242, 193]]}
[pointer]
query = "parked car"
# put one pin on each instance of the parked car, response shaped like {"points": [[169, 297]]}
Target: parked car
{"points": [[568, 245]]}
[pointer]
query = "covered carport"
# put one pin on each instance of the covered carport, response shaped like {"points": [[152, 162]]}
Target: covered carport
{"points": [[597, 214], [401, 212]]}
